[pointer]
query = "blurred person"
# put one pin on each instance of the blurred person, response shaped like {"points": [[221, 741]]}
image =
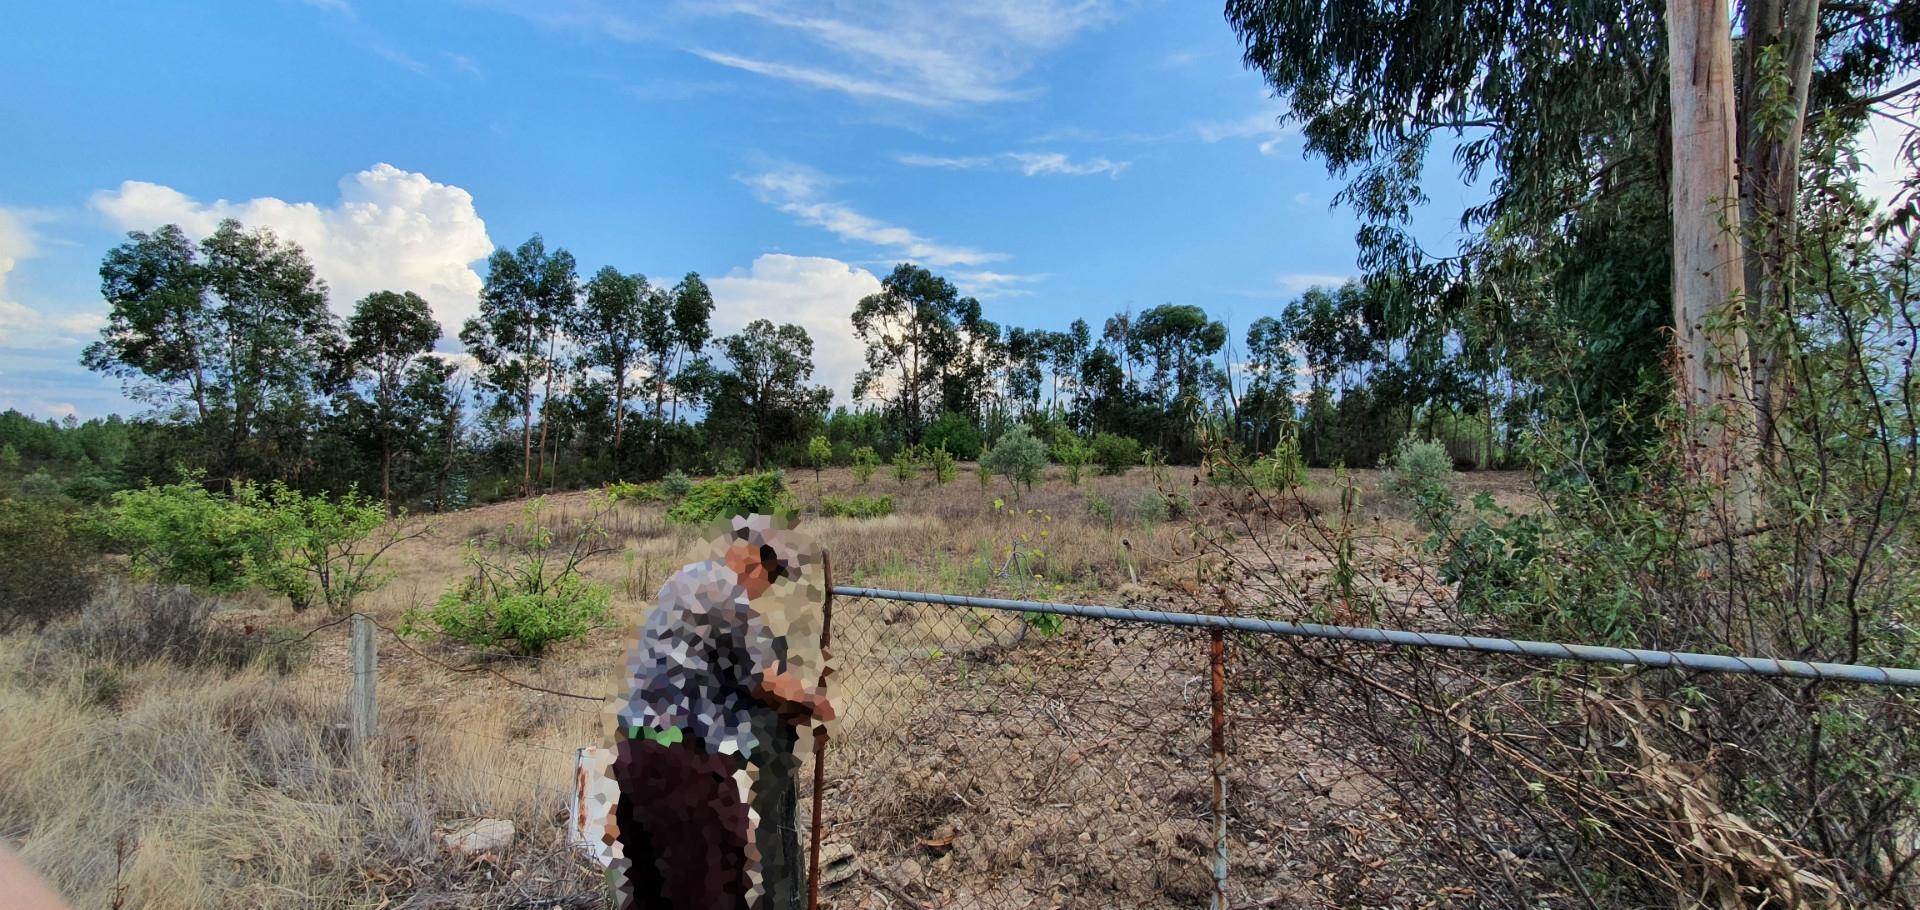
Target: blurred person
{"points": [[23, 889], [710, 679]]}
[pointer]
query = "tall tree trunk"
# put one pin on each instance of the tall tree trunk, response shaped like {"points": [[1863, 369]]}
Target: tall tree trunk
{"points": [[1709, 285], [546, 406], [1770, 178], [386, 444], [619, 413]]}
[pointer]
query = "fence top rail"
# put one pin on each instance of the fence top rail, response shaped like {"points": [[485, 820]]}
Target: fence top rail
{"points": [[1599, 654]]}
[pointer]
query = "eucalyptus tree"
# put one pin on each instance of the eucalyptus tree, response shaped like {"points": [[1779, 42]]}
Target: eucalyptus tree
{"points": [[609, 328], [386, 336], [238, 326], [674, 326], [764, 392], [523, 304], [912, 340]]}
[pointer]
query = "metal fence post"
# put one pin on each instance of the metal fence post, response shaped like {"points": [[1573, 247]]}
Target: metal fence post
{"points": [[360, 703], [820, 741], [1217, 655]]}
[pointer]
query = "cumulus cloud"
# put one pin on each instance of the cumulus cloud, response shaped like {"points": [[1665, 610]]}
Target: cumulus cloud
{"points": [[802, 194], [391, 229], [1031, 164], [813, 292]]}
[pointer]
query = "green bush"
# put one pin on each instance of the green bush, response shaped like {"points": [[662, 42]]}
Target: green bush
{"points": [[1099, 508], [1114, 453], [182, 534], [45, 567], [819, 454], [315, 548], [675, 486], [942, 463], [953, 432], [719, 499], [526, 593], [906, 464], [526, 622], [1074, 456], [628, 491], [1018, 457], [856, 506], [864, 460], [1421, 472]]}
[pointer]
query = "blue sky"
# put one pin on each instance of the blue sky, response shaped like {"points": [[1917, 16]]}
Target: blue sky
{"points": [[1055, 159]]}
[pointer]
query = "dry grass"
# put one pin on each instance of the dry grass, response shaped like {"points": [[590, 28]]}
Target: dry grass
{"points": [[196, 787]]}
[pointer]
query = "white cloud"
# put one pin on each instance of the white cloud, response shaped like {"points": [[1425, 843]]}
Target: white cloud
{"points": [[813, 292], [390, 230], [1296, 282], [1263, 125], [990, 285], [814, 77], [29, 328], [935, 55], [1032, 164], [800, 193], [1880, 151]]}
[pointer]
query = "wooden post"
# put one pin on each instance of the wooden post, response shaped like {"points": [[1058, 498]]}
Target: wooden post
{"points": [[360, 703]]}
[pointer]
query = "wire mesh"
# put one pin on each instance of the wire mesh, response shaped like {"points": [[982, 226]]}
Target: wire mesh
{"points": [[987, 759]]}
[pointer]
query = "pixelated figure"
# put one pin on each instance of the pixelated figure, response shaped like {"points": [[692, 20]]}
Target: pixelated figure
{"points": [[704, 758]]}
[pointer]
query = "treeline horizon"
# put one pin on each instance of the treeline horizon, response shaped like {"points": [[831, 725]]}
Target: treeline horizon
{"points": [[251, 376]]}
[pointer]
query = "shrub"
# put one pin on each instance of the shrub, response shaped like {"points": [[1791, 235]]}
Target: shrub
{"points": [[1099, 508], [182, 534], [316, 548], [136, 623], [1074, 456], [1115, 453], [856, 506], [819, 454], [526, 622], [906, 464], [865, 460], [526, 593], [981, 470], [1150, 508], [675, 486], [1018, 457], [718, 499], [628, 491], [942, 463], [953, 432], [45, 569], [1421, 471]]}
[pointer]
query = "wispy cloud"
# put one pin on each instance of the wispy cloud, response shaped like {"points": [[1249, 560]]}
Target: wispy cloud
{"points": [[932, 55], [818, 78], [337, 7], [801, 193], [988, 285], [1263, 125], [1032, 164]]}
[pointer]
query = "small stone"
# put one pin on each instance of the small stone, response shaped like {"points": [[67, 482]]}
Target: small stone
{"points": [[481, 835]]}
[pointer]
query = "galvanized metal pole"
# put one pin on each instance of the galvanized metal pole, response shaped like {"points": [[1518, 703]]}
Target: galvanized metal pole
{"points": [[1217, 654], [820, 741], [360, 703]]}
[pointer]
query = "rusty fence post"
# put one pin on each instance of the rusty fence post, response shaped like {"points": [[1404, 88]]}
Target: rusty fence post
{"points": [[820, 740], [1217, 656]]}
